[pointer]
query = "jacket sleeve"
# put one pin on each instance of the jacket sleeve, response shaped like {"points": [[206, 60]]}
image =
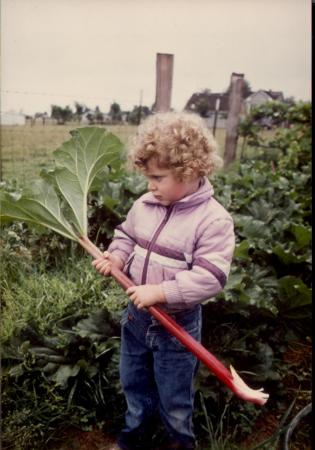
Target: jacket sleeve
{"points": [[124, 241], [210, 267]]}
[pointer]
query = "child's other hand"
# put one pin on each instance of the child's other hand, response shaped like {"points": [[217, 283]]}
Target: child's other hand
{"points": [[104, 264], [146, 295]]}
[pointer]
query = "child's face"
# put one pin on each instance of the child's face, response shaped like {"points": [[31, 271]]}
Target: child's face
{"points": [[165, 187]]}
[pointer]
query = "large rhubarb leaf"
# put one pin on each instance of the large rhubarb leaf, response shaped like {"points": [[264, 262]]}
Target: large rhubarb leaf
{"points": [[40, 206], [59, 200], [78, 162]]}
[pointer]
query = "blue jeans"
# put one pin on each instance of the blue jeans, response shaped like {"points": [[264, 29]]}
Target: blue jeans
{"points": [[157, 372]]}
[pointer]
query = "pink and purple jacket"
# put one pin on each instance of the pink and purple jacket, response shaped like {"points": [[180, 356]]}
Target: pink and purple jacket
{"points": [[186, 247]]}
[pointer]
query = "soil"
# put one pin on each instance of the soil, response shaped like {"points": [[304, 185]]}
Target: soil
{"points": [[73, 439]]}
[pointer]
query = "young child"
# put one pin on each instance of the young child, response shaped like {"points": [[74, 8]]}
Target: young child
{"points": [[176, 245]]}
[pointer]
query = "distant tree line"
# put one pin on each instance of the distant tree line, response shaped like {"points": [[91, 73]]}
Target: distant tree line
{"points": [[95, 116]]}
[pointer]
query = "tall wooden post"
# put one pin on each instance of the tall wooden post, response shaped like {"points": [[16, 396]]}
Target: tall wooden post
{"points": [[164, 78], [235, 104], [1, 172]]}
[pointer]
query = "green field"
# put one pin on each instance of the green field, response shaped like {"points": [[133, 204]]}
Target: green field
{"points": [[25, 150]]}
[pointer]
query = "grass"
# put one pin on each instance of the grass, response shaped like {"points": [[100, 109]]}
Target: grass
{"points": [[25, 150], [41, 288]]}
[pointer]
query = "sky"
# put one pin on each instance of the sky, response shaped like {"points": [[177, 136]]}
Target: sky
{"points": [[100, 51]]}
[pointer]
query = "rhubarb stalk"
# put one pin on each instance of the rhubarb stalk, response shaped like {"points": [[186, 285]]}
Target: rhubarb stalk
{"points": [[229, 377]]}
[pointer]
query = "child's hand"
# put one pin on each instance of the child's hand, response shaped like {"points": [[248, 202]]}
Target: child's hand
{"points": [[146, 295], [104, 264]]}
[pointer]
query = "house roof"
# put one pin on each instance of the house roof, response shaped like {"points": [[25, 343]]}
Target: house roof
{"points": [[275, 95], [209, 99]]}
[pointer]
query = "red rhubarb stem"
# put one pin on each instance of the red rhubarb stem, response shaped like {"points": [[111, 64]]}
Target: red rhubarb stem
{"points": [[234, 382]]}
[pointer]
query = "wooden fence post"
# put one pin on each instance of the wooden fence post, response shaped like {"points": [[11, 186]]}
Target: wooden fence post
{"points": [[164, 78], [216, 113], [235, 105], [1, 167]]}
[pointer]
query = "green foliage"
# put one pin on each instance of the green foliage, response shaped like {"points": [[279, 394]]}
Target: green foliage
{"points": [[108, 206], [138, 114], [69, 375], [115, 112], [246, 88], [291, 124], [62, 115], [267, 301], [41, 284], [217, 431], [271, 207], [255, 342], [60, 322]]}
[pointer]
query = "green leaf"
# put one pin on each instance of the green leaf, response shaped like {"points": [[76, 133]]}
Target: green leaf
{"points": [[235, 281], [64, 372], [241, 250], [78, 162], [96, 326], [302, 235], [39, 206], [250, 227], [294, 295], [287, 256]]}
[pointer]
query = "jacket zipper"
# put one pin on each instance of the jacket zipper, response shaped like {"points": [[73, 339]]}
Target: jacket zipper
{"points": [[153, 240]]}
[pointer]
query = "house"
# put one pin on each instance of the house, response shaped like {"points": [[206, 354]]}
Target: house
{"points": [[12, 118], [260, 97], [206, 103]]}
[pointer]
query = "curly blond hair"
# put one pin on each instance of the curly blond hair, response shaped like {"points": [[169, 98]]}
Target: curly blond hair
{"points": [[177, 141]]}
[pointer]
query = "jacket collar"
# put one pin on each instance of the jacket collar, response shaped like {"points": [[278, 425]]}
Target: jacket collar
{"points": [[203, 193]]}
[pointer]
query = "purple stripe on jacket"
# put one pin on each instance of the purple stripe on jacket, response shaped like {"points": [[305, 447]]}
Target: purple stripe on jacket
{"points": [[220, 276], [161, 250], [120, 228]]}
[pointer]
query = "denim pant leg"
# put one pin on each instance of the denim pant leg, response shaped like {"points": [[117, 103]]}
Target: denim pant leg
{"points": [[174, 369], [137, 377]]}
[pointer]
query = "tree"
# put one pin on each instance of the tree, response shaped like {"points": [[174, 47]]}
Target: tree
{"points": [[202, 106], [138, 113], [80, 109], [201, 103], [62, 115], [115, 112], [98, 115], [246, 91]]}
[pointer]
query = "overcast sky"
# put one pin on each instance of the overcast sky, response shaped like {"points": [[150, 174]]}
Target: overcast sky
{"points": [[100, 51]]}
